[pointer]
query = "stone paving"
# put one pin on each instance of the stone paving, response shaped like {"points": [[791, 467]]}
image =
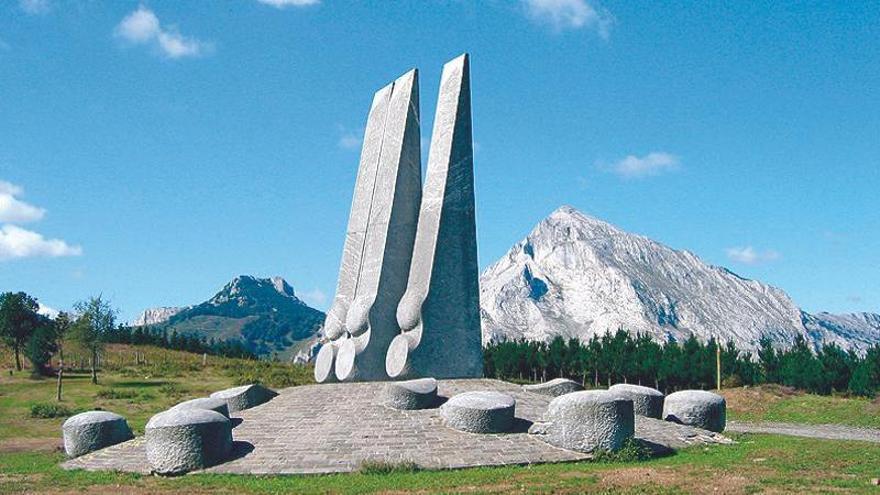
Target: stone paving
{"points": [[335, 427]]}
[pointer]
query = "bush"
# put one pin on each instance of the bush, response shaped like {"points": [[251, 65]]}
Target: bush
{"points": [[631, 451], [47, 410], [112, 393], [172, 389], [387, 467]]}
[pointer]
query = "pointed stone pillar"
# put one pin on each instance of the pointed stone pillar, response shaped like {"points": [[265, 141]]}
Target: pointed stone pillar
{"points": [[439, 315]]}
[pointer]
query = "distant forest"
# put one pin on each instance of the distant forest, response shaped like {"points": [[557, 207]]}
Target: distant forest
{"points": [[620, 357], [175, 341]]}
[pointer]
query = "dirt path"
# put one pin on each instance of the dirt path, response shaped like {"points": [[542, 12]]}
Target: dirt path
{"points": [[830, 432]]}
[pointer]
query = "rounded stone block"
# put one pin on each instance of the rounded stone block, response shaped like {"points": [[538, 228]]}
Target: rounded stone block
{"points": [[182, 440], [647, 401], [555, 387], [245, 397], [479, 412], [589, 421], [324, 363], [697, 408], [411, 394], [93, 430], [215, 404]]}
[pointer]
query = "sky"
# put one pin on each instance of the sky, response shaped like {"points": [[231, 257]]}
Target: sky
{"points": [[150, 152]]}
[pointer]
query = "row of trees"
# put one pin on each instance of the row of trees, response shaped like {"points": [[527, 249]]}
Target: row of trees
{"points": [[177, 341], [620, 357]]}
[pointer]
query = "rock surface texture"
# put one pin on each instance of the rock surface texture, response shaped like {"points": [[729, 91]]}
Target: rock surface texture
{"points": [[555, 387], [411, 394], [696, 408], [245, 396], [587, 421], [439, 315], [182, 440], [216, 404], [479, 412], [647, 401], [93, 430]]}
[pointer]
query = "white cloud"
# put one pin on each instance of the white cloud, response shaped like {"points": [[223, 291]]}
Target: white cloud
{"points": [[349, 141], [570, 14], [750, 256], [315, 297], [142, 27], [35, 7], [47, 311], [16, 242], [15, 210], [280, 4], [635, 167]]}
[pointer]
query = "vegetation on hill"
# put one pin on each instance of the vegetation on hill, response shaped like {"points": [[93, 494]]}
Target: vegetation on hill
{"points": [[621, 357]]}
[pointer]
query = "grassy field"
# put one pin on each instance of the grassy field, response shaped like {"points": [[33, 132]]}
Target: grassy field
{"points": [[29, 447]]}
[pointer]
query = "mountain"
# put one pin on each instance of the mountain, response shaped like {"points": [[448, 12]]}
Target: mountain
{"points": [[577, 276], [154, 316], [264, 313]]}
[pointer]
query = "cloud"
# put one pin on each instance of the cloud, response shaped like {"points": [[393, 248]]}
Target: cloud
{"points": [[854, 299], [142, 27], [281, 4], [16, 242], [14, 210], [570, 14], [349, 141], [35, 7], [750, 256], [47, 311], [635, 167], [315, 297]]}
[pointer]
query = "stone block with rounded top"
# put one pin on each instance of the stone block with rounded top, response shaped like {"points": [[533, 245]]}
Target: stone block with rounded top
{"points": [[93, 430], [698, 408], [588, 421], [215, 404], [183, 440], [647, 401], [245, 396], [480, 412], [411, 394], [555, 387]]}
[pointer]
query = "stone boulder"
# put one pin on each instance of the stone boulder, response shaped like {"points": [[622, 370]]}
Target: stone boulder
{"points": [[587, 421], [93, 430], [182, 440], [245, 396], [555, 387], [479, 412], [215, 404], [646, 400], [698, 408], [411, 394]]}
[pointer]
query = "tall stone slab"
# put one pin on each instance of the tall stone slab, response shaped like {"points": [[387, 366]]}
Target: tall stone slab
{"points": [[352, 251], [439, 315], [370, 322]]}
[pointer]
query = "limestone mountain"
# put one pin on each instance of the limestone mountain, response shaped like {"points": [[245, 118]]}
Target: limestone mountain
{"points": [[577, 276], [263, 313]]}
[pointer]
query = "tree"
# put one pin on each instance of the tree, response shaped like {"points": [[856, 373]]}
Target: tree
{"points": [[96, 319], [18, 320], [62, 328], [40, 346]]}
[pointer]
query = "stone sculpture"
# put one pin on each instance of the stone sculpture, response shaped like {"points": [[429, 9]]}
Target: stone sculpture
{"points": [[554, 387], [215, 404], [439, 315], [245, 396], [411, 394], [479, 412], [587, 421], [646, 400], [378, 247], [181, 440], [93, 430], [698, 408]]}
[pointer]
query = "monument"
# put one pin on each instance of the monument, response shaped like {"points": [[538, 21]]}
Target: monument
{"points": [[407, 299]]}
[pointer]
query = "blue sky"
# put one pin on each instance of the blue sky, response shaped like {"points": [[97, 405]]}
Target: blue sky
{"points": [[152, 151]]}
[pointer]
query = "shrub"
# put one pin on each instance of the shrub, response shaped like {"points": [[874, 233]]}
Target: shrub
{"points": [[112, 393], [172, 389], [47, 410], [387, 467], [631, 451]]}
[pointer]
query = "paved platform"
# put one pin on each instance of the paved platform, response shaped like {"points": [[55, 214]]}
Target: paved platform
{"points": [[335, 427]]}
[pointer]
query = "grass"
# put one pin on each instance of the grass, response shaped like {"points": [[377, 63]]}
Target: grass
{"points": [[757, 463], [776, 403]]}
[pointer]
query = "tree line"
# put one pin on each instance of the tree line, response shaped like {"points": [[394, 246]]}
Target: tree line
{"points": [[90, 326], [623, 358]]}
